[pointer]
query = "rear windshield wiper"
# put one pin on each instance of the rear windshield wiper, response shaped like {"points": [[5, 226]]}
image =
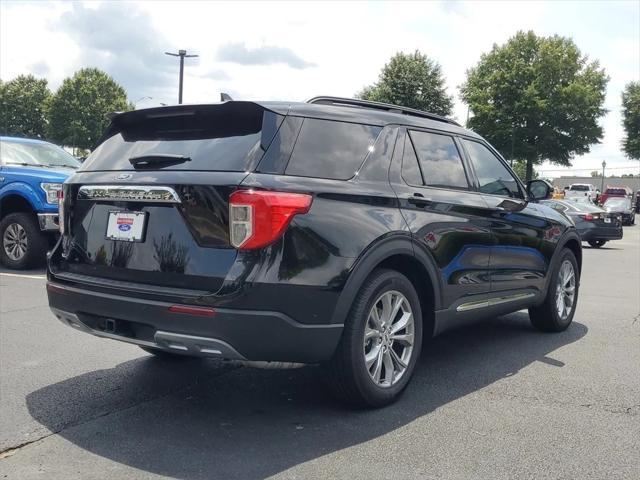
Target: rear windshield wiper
{"points": [[157, 160]]}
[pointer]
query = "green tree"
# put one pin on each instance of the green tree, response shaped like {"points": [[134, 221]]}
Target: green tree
{"points": [[631, 120], [79, 109], [537, 98], [411, 80], [520, 167], [23, 106], [595, 173]]}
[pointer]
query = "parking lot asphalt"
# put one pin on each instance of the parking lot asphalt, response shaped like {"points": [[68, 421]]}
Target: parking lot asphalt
{"points": [[494, 400]]}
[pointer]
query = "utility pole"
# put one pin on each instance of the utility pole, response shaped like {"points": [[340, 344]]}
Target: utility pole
{"points": [[182, 54]]}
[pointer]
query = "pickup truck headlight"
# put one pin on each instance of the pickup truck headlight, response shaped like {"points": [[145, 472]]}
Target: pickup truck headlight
{"points": [[51, 190]]}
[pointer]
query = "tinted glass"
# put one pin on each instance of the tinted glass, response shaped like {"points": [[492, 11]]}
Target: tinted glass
{"points": [[328, 149], [579, 188], [35, 154], [615, 191], [493, 176], [410, 169], [220, 138], [439, 159]]}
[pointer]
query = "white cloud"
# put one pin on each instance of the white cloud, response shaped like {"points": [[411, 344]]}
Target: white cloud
{"points": [[347, 44]]}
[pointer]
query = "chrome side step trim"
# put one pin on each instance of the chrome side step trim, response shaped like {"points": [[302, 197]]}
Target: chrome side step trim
{"points": [[129, 193], [167, 341], [490, 302]]}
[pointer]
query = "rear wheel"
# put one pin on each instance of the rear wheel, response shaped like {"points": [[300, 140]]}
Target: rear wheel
{"points": [[380, 344], [22, 244], [597, 243], [556, 313]]}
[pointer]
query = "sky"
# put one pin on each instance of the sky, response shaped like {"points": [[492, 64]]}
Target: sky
{"points": [[295, 51]]}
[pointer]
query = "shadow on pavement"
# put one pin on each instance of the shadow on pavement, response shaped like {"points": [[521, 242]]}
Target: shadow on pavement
{"points": [[251, 423]]}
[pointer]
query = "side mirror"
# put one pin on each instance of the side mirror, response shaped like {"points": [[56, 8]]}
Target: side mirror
{"points": [[539, 190]]}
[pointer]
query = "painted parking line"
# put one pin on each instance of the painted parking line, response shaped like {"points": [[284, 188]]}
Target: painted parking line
{"points": [[21, 275]]}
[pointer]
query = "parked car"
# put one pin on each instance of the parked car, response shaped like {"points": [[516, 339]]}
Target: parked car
{"points": [[611, 192], [31, 174], [557, 193], [594, 224], [581, 190], [336, 232], [622, 206]]}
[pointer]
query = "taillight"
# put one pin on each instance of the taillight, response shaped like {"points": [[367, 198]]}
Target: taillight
{"points": [[588, 217], [258, 218], [61, 211]]}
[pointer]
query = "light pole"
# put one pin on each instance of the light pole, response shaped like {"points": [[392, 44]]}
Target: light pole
{"points": [[182, 54], [604, 164]]}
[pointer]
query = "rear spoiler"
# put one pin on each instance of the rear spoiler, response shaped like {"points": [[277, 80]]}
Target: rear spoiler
{"points": [[119, 121]]}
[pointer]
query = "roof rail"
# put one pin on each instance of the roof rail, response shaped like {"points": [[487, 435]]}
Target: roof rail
{"points": [[353, 102]]}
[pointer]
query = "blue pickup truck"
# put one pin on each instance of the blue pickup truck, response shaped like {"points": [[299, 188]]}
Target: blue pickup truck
{"points": [[31, 173]]}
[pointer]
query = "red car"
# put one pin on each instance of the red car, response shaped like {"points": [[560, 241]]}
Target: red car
{"points": [[614, 192]]}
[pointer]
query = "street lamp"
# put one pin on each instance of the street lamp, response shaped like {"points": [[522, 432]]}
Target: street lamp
{"points": [[182, 54], [604, 164]]}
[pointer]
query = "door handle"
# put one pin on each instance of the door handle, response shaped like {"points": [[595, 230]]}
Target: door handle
{"points": [[419, 200]]}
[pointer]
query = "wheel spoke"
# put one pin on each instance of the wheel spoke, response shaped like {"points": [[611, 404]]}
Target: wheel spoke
{"points": [[377, 370], [372, 356], [397, 359], [386, 309], [401, 323], [370, 333], [389, 369], [375, 316], [405, 339]]}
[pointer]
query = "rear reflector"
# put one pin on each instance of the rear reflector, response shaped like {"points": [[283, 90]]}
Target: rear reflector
{"points": [[258, 218], [187, 310]]}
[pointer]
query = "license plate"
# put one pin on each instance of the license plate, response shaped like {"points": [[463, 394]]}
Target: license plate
{"points": [[607, 220], [126, 226]]}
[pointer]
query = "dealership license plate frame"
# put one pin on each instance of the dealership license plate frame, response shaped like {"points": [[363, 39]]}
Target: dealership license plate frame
{"points": [[138, 226]]}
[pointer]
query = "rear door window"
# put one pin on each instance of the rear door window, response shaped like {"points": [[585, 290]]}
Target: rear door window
{"points": [[331, 149], [438, 158]]}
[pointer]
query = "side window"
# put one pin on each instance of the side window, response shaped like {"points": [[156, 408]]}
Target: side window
{"points": [[439, 160], [330, 149], [493, 176], [410, 169]]}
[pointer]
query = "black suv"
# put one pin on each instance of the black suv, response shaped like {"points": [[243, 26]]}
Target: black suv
{"points": [[335, 232]]}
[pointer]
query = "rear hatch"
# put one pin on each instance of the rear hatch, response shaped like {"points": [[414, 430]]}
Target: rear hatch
{"points": [[149, 208]]}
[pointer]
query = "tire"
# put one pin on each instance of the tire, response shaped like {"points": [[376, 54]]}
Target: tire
{"points": [[347, 372], [596, 243], [547, 317], [169, 356], [33, 243]]}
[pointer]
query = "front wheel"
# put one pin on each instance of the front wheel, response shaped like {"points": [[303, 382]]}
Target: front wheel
{"points": [[556, 313], [597, 243], [22, 244], [380, 343]]}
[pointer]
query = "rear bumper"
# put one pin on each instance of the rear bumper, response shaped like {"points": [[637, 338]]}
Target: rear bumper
{"points": [[229, 333], [602, 234]]}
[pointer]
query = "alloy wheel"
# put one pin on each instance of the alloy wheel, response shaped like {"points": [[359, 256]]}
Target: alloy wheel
{"points": [[389, 338], [14, 241], [565, 290]]}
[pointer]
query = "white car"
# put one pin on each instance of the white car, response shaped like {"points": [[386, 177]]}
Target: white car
{"points": [[581, 190]]}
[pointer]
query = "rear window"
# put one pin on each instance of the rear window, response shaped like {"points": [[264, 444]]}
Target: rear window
{"points": [[227, 137], [579, 188], [330, 149], [615, 191]]}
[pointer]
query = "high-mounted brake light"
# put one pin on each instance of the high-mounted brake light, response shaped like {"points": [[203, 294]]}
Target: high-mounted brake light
{"points": [[258, 218], [61, 211]]}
